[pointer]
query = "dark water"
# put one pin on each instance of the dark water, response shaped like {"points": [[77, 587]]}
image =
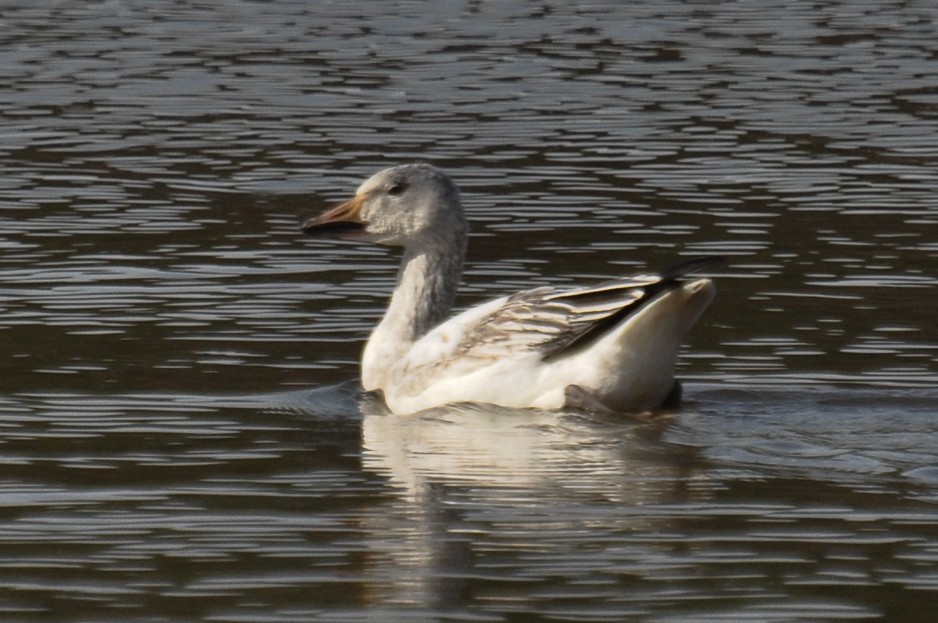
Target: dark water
{"points": [[181, 437]]}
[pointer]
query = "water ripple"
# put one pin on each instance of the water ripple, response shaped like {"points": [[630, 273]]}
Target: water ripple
{"points": [[158, 159]]}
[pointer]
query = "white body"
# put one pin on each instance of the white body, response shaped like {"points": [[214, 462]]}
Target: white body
{"points": [[631, 369]]}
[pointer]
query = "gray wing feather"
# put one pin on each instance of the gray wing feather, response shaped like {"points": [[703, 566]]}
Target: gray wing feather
{"points": [[549, 319], [557, 321]]}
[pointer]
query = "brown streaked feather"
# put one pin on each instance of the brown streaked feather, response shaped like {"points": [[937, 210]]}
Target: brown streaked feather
{"points": [[560, 321], [547, 319]]}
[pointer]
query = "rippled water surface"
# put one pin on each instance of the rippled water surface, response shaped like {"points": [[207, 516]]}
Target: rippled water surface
{"points": [[181, 433]]}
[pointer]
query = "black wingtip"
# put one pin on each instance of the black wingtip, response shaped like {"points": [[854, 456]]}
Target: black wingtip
{"points": [[691, 266]]}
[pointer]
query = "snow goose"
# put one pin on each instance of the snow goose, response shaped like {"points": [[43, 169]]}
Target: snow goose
{"points": [[611, 346]]}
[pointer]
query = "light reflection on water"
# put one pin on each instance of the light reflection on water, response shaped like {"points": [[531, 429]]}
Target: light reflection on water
{"points": [[174, 440], [748, 503]]}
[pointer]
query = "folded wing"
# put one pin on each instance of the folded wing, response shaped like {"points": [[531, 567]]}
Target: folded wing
{"points": [[556, 322]]}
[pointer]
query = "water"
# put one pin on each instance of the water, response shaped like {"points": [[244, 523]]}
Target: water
{"points": [[181, 437]]}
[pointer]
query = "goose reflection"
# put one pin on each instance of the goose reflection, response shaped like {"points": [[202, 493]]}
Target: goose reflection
{"points": [[474, 486]]}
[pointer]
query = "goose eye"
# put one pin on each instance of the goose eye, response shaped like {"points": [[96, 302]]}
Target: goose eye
{"points": [[396, 190]]}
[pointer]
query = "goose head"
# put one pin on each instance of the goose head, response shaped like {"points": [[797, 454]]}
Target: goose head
{"points": [[408, 205]]}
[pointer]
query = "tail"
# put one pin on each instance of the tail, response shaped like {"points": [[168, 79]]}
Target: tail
{"points": [[641, 351]]}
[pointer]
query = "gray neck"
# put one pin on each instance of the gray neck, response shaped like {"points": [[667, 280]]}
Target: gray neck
{"points": [[426, 289]]}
